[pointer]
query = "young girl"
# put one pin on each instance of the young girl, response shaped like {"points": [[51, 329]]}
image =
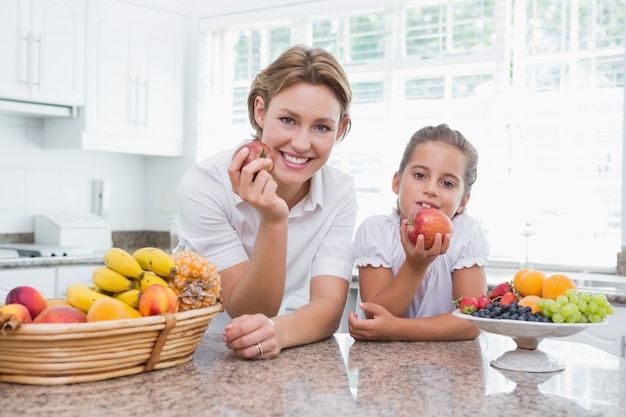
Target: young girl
{"points": [[407, 291], [270, 234]]}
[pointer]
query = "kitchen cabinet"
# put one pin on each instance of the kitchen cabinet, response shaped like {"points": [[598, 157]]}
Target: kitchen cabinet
{"points": [[610, 337], [43, 279], [134, 83], [42, 44], [73, 274]]}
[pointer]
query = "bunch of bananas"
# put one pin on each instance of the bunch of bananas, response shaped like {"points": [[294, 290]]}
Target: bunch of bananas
{"points": [[124, 277]]}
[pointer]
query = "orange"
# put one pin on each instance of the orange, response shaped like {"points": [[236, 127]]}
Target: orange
{"points": [[556, 285], [530, 301], [529, 282]]}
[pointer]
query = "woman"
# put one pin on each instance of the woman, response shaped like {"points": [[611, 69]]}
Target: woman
{"points": [[271, 233]]}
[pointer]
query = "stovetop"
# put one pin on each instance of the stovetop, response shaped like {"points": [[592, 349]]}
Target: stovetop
{"points": [[33, 250]]}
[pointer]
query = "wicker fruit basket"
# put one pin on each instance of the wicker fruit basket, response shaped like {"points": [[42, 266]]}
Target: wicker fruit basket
{"points": [[55, 354]]}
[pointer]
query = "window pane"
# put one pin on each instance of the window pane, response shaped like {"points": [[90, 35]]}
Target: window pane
{"points": [[280, 39], [548, 26], [473, 25], [247, 54], [240, 105], [368, 92], [425, 31], [367, 37], [466, 85], [424, 88], [328, 34], [601, 24]]}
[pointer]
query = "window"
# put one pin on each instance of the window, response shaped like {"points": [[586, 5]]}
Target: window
{"points": [[536, 85]]}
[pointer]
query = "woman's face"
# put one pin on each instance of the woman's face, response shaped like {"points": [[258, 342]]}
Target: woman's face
{"points": [[300, 125], [435, 176]]}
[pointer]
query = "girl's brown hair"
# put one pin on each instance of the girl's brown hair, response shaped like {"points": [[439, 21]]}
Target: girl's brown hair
{"points": [[301, 64]]}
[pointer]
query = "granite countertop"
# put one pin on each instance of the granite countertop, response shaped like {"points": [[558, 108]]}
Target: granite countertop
{"points": [[341, 377], [51, 262]]}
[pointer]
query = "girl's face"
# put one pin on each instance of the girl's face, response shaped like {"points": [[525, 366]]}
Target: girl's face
{"points": [[300, 125], [435, 177]]}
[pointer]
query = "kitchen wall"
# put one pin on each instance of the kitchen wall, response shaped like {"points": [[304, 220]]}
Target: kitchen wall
{"points": [[35, 180]]}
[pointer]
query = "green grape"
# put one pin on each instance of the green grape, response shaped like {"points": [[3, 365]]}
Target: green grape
{"points": [[599, 298], [558, 318], [601, 312], [570, 319], [595, 318], [561, 299], [571, 292], [609, 309], [567, 310], [541, 303], [554, 306], [592, 307], [573, 298], [547, 312], [583, 319], [585, 296], [582, 306], [577, 316]]}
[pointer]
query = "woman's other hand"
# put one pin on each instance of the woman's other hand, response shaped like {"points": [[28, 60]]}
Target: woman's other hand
{"points": [[252, 337]]}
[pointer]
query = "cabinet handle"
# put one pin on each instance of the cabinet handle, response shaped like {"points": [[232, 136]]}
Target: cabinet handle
{"points": [[143, 114], [134, 90], [36, 64], [23, 59]]}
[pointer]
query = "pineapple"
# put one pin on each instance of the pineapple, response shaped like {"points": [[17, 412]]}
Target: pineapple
{"points": [[197, 282]]}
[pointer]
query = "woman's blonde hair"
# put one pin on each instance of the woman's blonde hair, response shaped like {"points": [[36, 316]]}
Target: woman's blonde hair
{"points": [[301, 64]]}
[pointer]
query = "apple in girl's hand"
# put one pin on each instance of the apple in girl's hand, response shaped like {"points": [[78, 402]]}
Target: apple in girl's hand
{"points": [[257, 149], [427, 221]]}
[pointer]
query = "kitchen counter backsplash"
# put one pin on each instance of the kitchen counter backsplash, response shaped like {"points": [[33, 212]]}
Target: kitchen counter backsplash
{"points": [[128, 240]]}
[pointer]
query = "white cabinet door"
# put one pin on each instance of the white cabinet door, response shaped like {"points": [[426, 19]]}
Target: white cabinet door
{"points": [[75, 274], [42, 44], [134, 90], [42, 279]]}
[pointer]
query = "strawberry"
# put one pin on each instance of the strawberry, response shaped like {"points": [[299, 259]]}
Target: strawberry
{"points": [[508, 298], [483, 301], [500, 290], [467, 305]]}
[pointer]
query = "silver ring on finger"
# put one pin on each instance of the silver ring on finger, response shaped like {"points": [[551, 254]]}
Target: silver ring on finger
{"points": [[259, 348]]}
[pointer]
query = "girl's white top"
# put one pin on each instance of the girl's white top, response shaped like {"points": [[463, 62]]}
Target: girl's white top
{"points": [[216, 222], [377, 243]]}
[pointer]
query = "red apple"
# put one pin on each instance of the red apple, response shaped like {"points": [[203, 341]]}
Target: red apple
{"points": [[257, 150], [427, 221], [29, 297]]}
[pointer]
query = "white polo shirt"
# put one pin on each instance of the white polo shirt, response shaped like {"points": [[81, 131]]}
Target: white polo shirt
{"points": [[216, 222]]}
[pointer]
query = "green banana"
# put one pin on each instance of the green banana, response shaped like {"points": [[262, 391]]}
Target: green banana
{"points": [[109, 280], [123, 262], [151, 279], [130, 297], [155, 260]]}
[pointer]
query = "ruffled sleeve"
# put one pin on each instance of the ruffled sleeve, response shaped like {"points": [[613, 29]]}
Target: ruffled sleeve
{"points": [[373, 242], [469, 246]]}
